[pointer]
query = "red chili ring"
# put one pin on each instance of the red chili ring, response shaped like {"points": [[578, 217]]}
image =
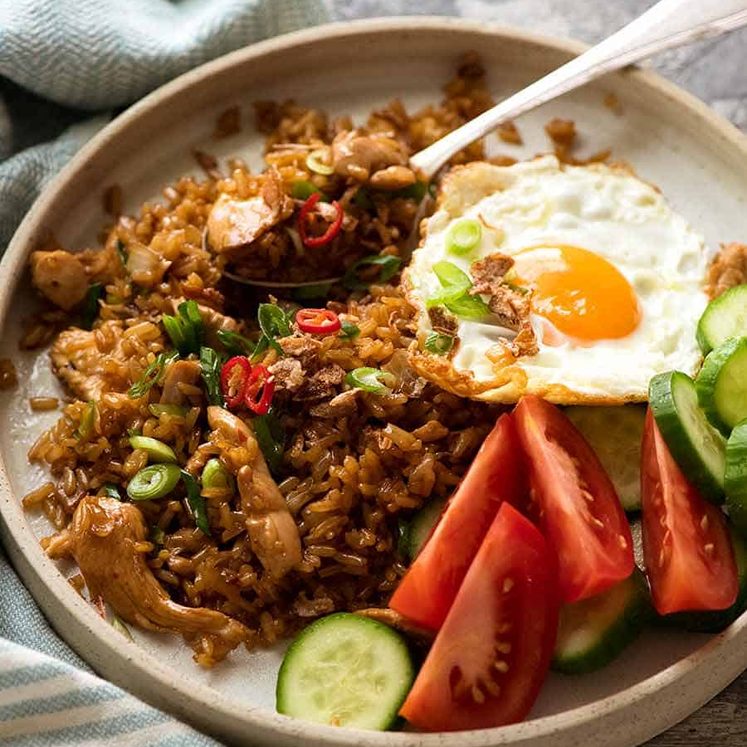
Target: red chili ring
{"points": [[318, 321], [259, 390], [334, 228], [230, 384]]}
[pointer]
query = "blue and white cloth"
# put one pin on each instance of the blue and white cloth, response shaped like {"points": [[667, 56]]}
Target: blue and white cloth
{"points": [[61, 61]]}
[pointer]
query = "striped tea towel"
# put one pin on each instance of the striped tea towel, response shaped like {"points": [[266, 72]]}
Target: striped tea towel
{"points": [[58, 57]]}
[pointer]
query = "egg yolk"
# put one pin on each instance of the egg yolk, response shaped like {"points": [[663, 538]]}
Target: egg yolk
{"points": [[580, 293]]}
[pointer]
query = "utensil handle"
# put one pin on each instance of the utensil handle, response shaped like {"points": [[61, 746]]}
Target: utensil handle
{"points": [[669, 23]]}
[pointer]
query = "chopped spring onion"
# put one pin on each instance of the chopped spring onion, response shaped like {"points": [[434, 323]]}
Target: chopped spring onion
{"points": [[349, 331], [153, 374], [271, 439], [196, 502], [368, 379], [413, 191], [156, 535], [303, 189], [468, 307], [454, 293], [234, 343], [156, 450], [176, 410], [316, 161], [274, 323], [110, 490], [362, 199], [87, 421], [90, 308], [120, 627], [438, 344], [185, 328], [210, 364], [122, 252], [388, 266], [154, 482], [215, 475], [463, 236]]}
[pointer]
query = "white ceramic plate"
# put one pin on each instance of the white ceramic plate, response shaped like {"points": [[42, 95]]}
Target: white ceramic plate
{"points": [[672, 139]]}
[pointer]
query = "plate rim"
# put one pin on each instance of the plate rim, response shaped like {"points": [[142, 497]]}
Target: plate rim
{"points": [[54, 596]]}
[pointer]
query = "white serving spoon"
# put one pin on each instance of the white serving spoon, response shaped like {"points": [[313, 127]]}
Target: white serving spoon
{"points": [[668, 24]]}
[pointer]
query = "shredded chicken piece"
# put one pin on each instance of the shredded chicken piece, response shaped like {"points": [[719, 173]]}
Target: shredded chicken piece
{"points": [[399, 622], [729, 268], [289, 374], [273, 533], [340, 406], [103, 538], [234, 224], [179, 372], [363, 158], [60, 276]]}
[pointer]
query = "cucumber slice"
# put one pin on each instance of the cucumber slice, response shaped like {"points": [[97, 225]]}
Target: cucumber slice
{"points": [[594, 631], [615, 435], [724, 317], [736, 477], [722, 384], [421, 526], [345, 670], [697, 447], [715, 622]]}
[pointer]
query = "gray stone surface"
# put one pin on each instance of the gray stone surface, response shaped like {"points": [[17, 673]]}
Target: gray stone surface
{"points": [[715, 71]]}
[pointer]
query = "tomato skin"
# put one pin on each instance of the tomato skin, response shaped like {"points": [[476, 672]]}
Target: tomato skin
{"points": [[678, 524], [496, 475], [591, 537], [492, 654]]}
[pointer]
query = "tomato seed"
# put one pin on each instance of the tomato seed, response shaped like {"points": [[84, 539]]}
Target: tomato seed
{"points": [[508, 584], [492, 687], [709, 548], [500, 666], [503, 648], [622, 541], [587, 496], [704, 522], [478, 695]]}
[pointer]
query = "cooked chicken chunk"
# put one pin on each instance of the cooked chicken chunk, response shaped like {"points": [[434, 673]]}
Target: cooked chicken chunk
{"points": [[103, 539], [234, 224], [177, 374], [377, 158], [729, 268], [273, 533], [60, 276]]}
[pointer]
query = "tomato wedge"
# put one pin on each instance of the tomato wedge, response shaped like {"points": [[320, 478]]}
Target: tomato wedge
{"points": [[428, 588], [492, 654], [686, 545], [576, 503]]}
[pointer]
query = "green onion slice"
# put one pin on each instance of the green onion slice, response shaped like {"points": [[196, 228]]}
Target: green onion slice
{"points": [[210, 365], [388, 266], [156, 535], [413, 191], [468, 307], [110, 490], [234, 343], [454, 283], [463, 236], [196, 502], [157, 450], [349, 331], [303, 189], [176, 410], [274, 323], [154, 482], [122, 253], [438, 344], [316, 162], [87, 421], [153, 374], [271, 439], [185, 328], [215, 475], [91, 304], [368, 379]]}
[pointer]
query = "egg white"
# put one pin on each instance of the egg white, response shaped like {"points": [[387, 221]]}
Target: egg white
{"points": [[606, 210]]}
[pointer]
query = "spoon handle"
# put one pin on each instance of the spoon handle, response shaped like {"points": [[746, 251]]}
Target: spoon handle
{"points": [[669, 23]]}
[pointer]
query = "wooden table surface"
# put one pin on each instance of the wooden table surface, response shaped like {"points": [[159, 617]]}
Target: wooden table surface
{"points": [[715, 72]]}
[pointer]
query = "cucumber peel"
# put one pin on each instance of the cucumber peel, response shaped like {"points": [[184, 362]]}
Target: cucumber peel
{"points": [[736, 477], [346, 670], [420, 527], [697, 447], [722, 384], [594, 631]]}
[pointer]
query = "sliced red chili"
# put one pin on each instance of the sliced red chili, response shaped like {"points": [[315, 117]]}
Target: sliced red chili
{"points": [[259, 390], [332, 230], [234, 378], [318, 321]]}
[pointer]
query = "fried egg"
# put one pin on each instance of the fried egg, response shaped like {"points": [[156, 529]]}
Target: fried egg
{"points": [[612, 280]]}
